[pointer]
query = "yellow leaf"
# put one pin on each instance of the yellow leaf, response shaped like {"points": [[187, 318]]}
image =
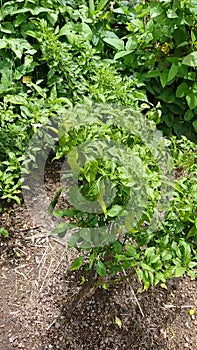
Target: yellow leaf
{"points": [[191, 312], [118, 322], [82, 280], [26, 79], [165, 48]]}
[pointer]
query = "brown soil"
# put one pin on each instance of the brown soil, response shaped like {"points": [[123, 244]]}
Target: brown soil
{"points": [[37, 290]]}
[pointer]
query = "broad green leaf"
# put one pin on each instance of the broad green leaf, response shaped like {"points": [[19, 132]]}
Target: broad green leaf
{"points": [[139, 273], [85, 233], [15, 99], [191, 100], [172, 72], [114, 211], [65, 30], [155, 10], [77, 263], [116, 43], [131, 44], [122, 54], [169, 119], [172, 14], [179, 271], [73, 240], [84, 29], [3, 43], [61, 228], [188, 115], [195, 125], [101, 269], [153, 74], [190, 60], [182, 90]]}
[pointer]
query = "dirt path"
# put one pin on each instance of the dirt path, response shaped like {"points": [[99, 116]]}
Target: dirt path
{"points": [[36, 288]]}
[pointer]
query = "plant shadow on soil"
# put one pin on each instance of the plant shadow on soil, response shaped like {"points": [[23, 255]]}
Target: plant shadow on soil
{"points": [[93, 322]]}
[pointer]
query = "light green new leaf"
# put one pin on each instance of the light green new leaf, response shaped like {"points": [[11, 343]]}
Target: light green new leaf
{"points": [[191, 59], [122, 54], [118, 322], [4, 232], [114, 211], [118, 44], [179, 271]]}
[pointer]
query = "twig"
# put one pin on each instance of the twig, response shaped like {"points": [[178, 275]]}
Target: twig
{"points": [[51, 262], [138, 304], [29, 228]]}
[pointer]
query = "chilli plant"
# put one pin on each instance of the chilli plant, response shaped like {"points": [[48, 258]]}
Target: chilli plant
{"points": [[128, 210]]}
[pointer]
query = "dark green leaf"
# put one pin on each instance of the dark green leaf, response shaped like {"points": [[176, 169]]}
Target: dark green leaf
{"points": [[77, 263], [101, 269]]}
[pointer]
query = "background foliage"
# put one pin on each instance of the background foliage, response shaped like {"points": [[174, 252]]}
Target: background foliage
{"points": [[57, 53]]}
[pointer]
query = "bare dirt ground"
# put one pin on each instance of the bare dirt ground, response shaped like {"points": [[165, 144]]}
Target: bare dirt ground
{"points": [[37, 290]]}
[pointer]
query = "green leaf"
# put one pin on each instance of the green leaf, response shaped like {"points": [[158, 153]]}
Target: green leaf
{"points": [[61, 228], [114, 211], [169, 119], [85, 233], [146, 267], [101, 269], [122, 54], [182, 90], [77, 263], [65, 30], [195, 125], [179, 271], [164, 78], [153, 74], [54, 201], [172, 13], [172, 72], [3, 43], [91, 7], [130, 250], [102, 4], [190, 60], [191, 100], [118, 44], [4, 232], [188, 115], [131, 44]]}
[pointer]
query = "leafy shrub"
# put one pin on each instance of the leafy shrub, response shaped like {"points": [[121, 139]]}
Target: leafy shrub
{"points": [[130, 232], [42, 69], [162, 57]]}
